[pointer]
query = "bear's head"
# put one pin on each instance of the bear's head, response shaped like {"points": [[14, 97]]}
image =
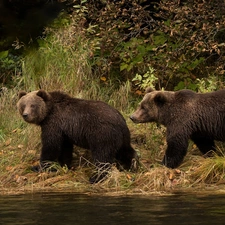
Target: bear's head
{"points": [[33, 106], [153, 107]]}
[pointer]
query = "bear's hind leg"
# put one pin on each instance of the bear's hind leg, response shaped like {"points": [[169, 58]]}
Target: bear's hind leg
{"points": [[205, 145], [103, 161], [101, 172]]}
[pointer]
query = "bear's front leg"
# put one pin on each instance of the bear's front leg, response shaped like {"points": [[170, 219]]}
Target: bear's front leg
{"points": [[175, 152], [52, 143]]}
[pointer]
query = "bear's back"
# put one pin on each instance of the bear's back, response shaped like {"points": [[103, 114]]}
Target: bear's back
{"points": [[68, 107], [212, 98]]}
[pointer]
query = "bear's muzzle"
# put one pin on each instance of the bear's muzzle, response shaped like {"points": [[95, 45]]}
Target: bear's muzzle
{"points": [[134, 119], [25, 116]]}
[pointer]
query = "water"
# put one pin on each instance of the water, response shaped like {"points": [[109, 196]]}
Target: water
{"points": [[68, 209]]}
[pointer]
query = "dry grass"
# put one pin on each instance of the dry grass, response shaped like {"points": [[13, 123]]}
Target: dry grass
{"points": [[209, 170]]}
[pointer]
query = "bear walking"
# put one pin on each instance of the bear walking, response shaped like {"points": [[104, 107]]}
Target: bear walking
{"points": [[67, 121], [186, 115]]}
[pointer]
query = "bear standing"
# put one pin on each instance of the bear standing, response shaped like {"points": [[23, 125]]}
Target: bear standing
{"points": [[186, 115], [67, 121]]}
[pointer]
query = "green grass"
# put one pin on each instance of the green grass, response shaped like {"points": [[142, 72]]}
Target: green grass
{"points": [[60, 63]]}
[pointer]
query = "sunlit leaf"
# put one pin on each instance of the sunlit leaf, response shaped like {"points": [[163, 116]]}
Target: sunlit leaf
{"points": [[103, 78], [123, 66], [4, 54]]}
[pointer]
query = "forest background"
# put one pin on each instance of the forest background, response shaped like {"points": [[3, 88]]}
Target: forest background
{"points": [[110, 51]]}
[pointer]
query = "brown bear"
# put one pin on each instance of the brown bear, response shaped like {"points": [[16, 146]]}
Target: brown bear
{"points": [[186, 115], [67, 121]]}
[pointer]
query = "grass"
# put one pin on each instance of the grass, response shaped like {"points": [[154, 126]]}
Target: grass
{"points": [[210, 170], [63, 62]]}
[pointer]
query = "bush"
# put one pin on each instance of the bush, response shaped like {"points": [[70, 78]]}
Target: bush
{"points": [[181, 40]]}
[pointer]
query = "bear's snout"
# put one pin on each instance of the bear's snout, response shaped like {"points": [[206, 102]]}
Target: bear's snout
{"points": [[133, 118], [25, 115]]}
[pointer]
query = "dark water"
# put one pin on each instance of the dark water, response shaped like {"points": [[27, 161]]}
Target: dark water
{"points": [[68, 209]]}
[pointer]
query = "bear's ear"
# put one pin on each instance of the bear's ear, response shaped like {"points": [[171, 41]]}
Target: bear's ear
{"points": [[21, 94], [149, 89], [44, 95], [160, 98]]}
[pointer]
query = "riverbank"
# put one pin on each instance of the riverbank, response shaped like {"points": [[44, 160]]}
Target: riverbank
{"points": [[116, 185], [196, 174]]}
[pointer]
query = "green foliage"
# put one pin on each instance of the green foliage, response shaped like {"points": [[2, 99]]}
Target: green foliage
{"points": [[208, 84], [146, 80], [133, 53], [4, 54], [120, 51], [186, 84], [9, 66]]}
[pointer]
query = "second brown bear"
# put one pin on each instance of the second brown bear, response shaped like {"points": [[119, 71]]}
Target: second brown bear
{"points": [[186, 115]]}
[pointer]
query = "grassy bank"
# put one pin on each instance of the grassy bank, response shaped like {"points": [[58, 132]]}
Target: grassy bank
{"points": [[64, 62], [20, 149]]}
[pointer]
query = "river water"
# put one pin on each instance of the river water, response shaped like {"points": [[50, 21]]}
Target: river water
{"points": [[73, 209]]}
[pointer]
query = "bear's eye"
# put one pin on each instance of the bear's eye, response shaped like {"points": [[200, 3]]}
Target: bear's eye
{"points": [[23, 107], [33, 106]]}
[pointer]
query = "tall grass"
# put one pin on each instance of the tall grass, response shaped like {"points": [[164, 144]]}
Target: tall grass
{"points": [[209, 170], [61, 62]]}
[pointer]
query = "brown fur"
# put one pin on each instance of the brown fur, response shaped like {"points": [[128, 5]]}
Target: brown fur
{"points": [[186, 115], [67, 121]]}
